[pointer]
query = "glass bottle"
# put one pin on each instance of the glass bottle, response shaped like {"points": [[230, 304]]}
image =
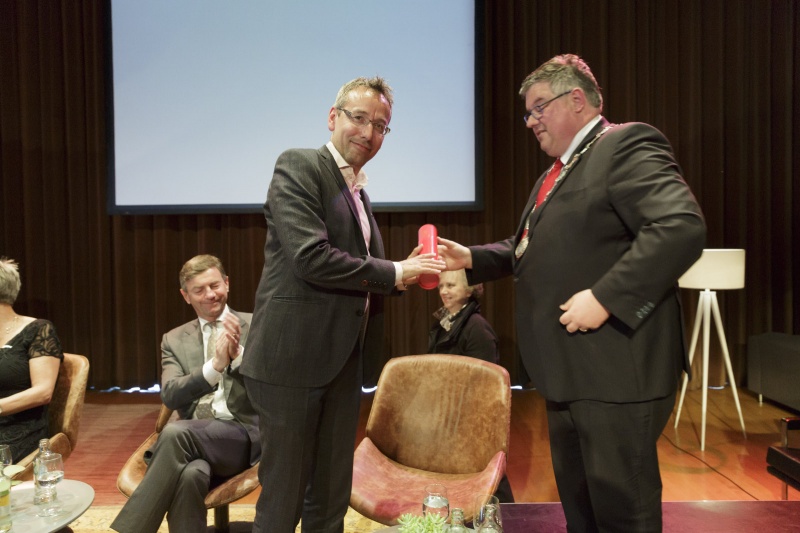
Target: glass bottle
{"points": [[41, 494], [457, 521], [491, 523], [5, 502]]}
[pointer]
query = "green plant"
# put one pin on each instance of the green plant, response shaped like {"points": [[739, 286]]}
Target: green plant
{"points": [[430, 523]]}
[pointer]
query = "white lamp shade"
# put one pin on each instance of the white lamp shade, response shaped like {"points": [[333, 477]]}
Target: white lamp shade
{"points": [[716, 269]]}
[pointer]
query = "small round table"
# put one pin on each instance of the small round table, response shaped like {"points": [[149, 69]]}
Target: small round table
{"points": [[75, 497]]}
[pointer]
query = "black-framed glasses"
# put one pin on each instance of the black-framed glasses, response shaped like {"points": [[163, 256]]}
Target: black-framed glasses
{"points": [[361, 121], [537, 111]]}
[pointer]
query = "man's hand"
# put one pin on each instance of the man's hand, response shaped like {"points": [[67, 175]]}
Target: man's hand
{"points": [[417, 264], [455, 255], [228, 334], [583, 312]]}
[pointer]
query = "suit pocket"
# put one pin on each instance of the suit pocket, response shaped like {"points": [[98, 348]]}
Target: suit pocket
{"points": [[294, 322]]}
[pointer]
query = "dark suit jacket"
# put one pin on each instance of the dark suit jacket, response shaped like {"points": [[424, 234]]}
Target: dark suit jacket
{"points": [[183, 384], [623, 223], [317, 273]]}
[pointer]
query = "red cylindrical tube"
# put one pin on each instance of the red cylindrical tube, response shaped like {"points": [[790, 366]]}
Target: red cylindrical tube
{"points": [[427, 238]]}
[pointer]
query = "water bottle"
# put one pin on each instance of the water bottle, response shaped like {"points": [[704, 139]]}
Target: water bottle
{"points": [[41, 494], [457, 521], [5, 502], [491, 524]]}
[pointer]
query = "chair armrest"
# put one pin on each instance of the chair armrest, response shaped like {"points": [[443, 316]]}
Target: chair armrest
{"points": [[59, 443], [163, 417]]}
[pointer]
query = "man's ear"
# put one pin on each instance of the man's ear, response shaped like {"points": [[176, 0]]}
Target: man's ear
{"points": [[332, 119], [578, 99]]}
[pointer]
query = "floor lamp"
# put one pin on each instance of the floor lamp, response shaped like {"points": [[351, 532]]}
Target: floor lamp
{"points": [[717, 269]]}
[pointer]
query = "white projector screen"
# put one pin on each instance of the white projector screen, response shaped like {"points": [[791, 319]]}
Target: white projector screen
{"points": [[207, 94]]}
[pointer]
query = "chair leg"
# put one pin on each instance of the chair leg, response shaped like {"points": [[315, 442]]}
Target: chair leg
{"points": [[221, 519], [785, 491]]}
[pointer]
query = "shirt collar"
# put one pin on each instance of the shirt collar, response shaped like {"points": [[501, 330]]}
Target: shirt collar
{"points": [[203, 321], [354, 182], [578, 139]]}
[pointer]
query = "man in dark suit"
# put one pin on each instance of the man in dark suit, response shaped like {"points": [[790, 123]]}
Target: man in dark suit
{"points": [[595, 263], [217, 434], [318, 318]]}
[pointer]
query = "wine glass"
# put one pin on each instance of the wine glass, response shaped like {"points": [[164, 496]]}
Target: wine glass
{"points": [[435, 500], [5, 455], [482, 503], [49, 472]]}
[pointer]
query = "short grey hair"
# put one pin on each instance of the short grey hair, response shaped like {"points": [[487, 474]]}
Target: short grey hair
{"points": [[375, 83], [10, 284], [563, 73]]}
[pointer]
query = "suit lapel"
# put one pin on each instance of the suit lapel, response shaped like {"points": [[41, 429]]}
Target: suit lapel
{"points": [[337, 175], [193, 344], [568, 169]]}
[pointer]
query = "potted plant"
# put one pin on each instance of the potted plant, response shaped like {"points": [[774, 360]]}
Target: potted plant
{"points": [[430, 523]]}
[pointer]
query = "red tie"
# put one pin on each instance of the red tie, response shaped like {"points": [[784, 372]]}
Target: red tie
{"points": [[549, 181]]}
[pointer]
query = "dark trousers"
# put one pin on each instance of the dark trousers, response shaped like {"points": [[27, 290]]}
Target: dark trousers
{"points": [[307, 444], [606, 463], [184, 459]]}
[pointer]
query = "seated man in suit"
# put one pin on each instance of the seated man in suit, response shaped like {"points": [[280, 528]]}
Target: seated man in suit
{"points": [[217, 434]]}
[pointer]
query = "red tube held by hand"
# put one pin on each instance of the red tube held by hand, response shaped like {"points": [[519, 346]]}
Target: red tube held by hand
{"points": [[427, 238]]}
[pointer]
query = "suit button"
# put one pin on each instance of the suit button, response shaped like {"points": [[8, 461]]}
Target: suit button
{"points": [[364, 283], [360, 312]]}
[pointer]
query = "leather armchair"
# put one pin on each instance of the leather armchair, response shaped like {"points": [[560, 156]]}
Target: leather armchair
{"points": [[434, 419], [218, 498], [63, 412]]}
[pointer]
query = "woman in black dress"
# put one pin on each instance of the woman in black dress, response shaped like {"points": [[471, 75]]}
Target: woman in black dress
{"points": [[30, 356]]}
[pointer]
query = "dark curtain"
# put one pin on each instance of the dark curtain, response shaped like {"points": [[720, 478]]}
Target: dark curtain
{"points": [[720, 78]]}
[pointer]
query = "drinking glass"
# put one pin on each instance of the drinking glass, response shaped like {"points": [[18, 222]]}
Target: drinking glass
{"points": [[5, 455], [435, 500], [49, 472], [481, 504]]}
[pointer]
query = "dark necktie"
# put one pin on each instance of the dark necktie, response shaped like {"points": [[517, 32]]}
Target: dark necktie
{"points": [[541, 196]]}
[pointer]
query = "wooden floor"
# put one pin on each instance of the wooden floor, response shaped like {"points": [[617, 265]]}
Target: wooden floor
{"points": [[732, 467]]}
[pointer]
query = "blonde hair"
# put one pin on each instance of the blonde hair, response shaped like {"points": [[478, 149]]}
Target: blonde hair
{"points": [[197, 265], [461, 275]]}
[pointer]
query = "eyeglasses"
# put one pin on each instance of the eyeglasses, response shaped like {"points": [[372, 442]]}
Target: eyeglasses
{"points": [[538, 110], [361, 121]]}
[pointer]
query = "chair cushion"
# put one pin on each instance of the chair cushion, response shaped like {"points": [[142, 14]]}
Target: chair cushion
{"points": [[384, 490], [785, 460]]}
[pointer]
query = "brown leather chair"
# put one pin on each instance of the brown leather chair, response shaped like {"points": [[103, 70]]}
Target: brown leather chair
{"points": [[64, 411], [783, 461], [218, 498], [434, 419]]}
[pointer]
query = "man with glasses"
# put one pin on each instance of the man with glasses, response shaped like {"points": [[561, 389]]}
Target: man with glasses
{"points": [[606, 234], [318, 320]]}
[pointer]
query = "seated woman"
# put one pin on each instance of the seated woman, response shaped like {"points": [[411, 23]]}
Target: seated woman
{"points": [[30, 356], [461, 330]]}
